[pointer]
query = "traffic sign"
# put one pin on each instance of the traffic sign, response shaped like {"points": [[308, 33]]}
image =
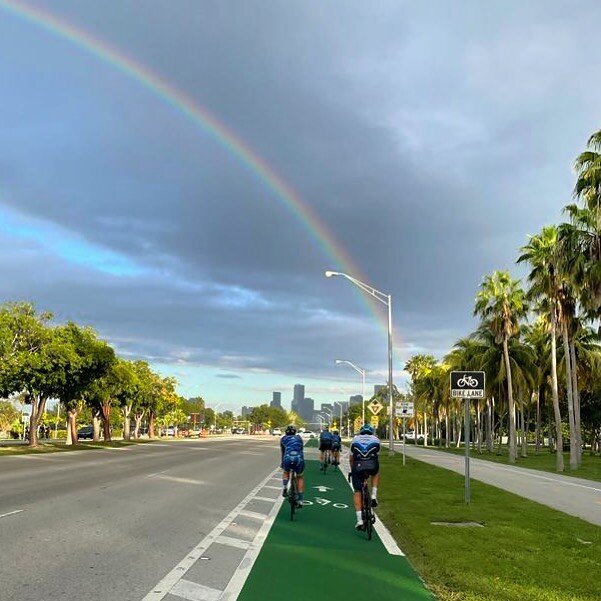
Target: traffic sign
{"points": [[375, 407], [468, 384], [357, 423], [405, 409], [375, 420]]}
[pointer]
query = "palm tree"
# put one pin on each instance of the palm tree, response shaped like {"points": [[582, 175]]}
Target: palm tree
{"points": [[542, 254], [501, 304]]}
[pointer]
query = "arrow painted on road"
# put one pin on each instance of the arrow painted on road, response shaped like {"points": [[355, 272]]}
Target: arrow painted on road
{"points": [[323, 488]]}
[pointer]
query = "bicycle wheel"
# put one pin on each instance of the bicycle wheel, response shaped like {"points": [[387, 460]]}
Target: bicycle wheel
{"points": [[292, 495], [366, 511]]}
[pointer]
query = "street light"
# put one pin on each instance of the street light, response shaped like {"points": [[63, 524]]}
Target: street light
{"points": [[385, 299], [362, 372]]}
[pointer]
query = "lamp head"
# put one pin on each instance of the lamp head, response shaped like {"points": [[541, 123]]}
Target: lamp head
{"points": [[330, 274]]}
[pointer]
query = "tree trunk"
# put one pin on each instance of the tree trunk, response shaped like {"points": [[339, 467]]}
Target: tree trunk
{"points": [[106, 424], [448, 428], [526, 427], [138, 421], [512, 439], [425, 429], [491, 423], [479, 427], [576, 395], [568, 363], [555, 393], [126, 409], [539, 399], [96, 425], [151, 424], [37, 410], [72, 426]]}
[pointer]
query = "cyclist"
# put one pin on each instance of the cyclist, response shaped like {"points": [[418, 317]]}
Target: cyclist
{"points": [[364, 463], [325, 444], [336, 445], [291, 445]]}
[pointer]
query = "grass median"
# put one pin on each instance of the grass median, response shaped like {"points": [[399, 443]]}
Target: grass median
{"points": [[61, 447], [544, 461], [523, 551]]}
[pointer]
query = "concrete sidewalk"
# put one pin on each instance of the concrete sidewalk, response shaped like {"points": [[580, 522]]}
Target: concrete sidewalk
{"points": [[575, 496]]}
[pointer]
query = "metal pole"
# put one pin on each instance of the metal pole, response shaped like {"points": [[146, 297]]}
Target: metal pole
{"points": [[392, 412], [362, 396], [404, 440], [58, 414], [467, 452]]}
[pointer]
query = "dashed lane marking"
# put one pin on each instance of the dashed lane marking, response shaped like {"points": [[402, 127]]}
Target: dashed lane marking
{"points": [[265, 499], [5, 515], [272, 487], [195, 592], [252, 514], [233, 542]]}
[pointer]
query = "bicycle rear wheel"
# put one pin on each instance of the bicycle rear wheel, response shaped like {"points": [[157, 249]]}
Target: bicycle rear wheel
{"points": [[367, 511], [292, 496]]}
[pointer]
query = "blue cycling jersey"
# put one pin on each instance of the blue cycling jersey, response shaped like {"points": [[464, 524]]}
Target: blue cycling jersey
{"points": [[326, 435], [291, 445], [364, 446], [336, 440]]}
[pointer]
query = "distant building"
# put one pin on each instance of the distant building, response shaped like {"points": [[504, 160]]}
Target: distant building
{"points": [[276, 400], [356, 399], [299, 395], [306, 408], [245, 411], [341, 407]]}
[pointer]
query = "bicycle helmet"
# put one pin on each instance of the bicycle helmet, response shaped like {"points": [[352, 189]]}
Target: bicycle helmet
{"points": [[366, 429], [291, 430]]}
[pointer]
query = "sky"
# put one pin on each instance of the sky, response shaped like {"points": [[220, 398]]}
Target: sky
{"points": [[425, 140]]}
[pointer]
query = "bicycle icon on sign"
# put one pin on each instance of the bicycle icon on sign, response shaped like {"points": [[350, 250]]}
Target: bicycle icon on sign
{"points": [[468, 381]]}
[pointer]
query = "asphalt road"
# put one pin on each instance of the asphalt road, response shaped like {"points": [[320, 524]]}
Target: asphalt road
{"points": [[111, 524], [575, 496]]}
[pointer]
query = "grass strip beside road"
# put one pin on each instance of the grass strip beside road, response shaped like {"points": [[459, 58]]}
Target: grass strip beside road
{"points": [[321, 555], [544, 461], [61, 447], [524, 551]]}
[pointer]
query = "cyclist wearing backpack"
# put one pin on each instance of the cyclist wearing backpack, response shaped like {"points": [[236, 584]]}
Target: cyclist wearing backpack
{"points": [[291, 445], [336, 446], [325, 444], [364, 463]]}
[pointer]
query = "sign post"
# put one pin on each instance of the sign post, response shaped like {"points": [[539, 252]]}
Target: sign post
{"points": [[467, 385], [405, 409]]}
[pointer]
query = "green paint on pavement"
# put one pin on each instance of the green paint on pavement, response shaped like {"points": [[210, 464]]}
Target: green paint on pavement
{"points": [[321, 554]]}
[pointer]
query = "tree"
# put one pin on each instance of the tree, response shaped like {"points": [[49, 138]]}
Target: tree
{"points": [[541, 253], [8, 415], [501, 304]]}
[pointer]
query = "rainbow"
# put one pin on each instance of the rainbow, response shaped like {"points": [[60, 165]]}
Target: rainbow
{"points": [[202, 118]]}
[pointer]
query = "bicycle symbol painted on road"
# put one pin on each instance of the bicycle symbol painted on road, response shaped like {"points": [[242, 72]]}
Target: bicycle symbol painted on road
{"points": [[468, 381]]}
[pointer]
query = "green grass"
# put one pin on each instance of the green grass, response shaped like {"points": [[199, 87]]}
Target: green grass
{"points": [[544, 461], [525, 551], [60, 447]]}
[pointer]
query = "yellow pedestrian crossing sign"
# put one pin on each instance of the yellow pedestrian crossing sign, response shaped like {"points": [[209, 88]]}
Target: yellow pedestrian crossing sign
{"points": [[375, 420], [375, 407], [357, 424]]}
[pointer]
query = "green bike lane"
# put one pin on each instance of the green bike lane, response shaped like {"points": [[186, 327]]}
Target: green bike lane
{"points": [[321, 553]]}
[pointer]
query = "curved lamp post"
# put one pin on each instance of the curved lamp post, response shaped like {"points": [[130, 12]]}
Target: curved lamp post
{"points": [[385, 299], [362, 372]]}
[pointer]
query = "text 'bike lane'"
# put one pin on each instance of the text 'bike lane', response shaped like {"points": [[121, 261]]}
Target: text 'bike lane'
{"points": [[320, 553]]}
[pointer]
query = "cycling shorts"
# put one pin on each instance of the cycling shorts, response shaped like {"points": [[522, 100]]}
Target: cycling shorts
{"points": [[362, 469], [293, 463], [325, 445], [336, 447]]}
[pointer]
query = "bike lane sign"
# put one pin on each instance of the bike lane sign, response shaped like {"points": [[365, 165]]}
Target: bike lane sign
{"points": [[468, 384]]}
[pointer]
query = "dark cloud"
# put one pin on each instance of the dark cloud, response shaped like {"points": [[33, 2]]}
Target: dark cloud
{"points": [[430, 139], [229, 376]]}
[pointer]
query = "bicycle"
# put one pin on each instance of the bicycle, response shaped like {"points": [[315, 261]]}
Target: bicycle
{"points": [[292, 494], [327, 460], [467, 381], [367, 514]]}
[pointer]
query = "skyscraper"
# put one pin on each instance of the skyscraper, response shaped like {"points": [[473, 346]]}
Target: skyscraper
{"points": [[299, 395], [277, 400], [306, 409], [356, 399]]}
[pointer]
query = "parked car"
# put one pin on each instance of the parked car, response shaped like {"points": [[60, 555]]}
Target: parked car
{"points": [[85, 433], [194, 432], [411, 436], [238, 431], [307, 434], [276, 432]]}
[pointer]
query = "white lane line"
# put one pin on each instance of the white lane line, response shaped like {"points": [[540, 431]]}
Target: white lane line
{"points": [[161, 476], [195, 592], [273, 487], [265, 499], [252, 514], [233, 542], [163, 587], [4, 515], [232, 590], [387, 539], [250, 453]]}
